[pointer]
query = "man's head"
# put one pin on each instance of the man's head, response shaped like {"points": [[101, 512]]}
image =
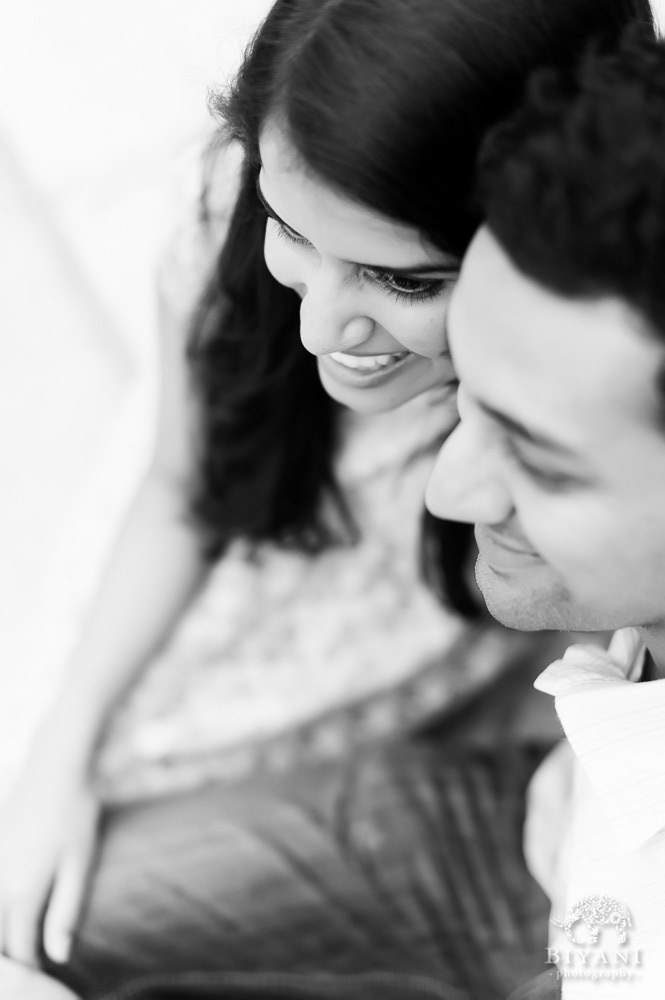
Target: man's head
{"points": [[557, 330]]}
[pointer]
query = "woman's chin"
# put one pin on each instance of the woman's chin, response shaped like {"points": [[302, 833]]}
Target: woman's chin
{"points": [[377, 393]]}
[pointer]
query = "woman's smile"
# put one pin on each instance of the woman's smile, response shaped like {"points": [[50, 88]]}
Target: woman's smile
{"points": [[368, 362], [364, 370]]}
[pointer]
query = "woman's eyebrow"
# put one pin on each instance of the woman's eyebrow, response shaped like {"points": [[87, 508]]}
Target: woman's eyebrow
{"points": [[416, 269]]}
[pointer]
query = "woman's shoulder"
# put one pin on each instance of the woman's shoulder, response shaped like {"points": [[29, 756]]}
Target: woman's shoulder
{"points": [[201, 195]]}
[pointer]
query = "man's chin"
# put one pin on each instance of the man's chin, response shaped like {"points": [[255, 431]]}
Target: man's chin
{"points": [[530, 600]]}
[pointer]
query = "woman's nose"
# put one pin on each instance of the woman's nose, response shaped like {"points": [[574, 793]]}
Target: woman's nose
{"points": [[330, 317], [466, 483]]}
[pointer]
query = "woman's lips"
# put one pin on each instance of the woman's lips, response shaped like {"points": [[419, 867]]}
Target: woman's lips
{"points": [[367, 362], [363, 370]]}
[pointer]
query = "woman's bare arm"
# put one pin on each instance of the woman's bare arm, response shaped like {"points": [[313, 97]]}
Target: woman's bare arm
{"points": [[48, 823]]}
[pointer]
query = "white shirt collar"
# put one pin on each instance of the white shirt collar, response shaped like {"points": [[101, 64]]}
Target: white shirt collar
{"points": [[617, 730]]}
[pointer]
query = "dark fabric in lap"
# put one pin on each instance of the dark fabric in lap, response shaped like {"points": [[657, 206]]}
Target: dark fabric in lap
{"points": [[406, 862], [221, 986]]}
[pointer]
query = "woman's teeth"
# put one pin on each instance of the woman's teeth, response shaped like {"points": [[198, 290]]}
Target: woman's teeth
{"points": [[368, 363]]}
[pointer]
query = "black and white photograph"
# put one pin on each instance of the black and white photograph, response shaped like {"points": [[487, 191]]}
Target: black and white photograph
{"points": [[332, 500]]}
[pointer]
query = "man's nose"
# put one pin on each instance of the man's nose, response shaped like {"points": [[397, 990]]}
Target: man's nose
{"points": [[466, 482], [330, 316]]}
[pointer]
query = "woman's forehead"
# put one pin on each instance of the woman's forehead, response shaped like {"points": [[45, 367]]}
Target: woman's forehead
{"points": [[331, 221]]}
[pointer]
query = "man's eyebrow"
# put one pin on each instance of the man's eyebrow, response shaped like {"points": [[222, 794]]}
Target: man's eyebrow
{"points": [[426, 268], [538, 439]]}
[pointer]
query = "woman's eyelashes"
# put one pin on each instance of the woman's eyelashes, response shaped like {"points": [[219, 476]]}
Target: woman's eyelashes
{"points": [[408, 289], [401, 287], [284, 232]]}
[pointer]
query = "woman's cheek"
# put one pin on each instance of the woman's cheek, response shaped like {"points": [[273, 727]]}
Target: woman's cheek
{"points": [[272, 255], [432, 332], [281, 260], [421, 329]]}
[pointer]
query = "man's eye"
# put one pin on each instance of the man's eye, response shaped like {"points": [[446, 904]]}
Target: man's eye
{"points": [[551, 479]]}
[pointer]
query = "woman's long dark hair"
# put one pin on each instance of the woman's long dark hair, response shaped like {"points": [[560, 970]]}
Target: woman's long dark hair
{"points": [[387, 101]]}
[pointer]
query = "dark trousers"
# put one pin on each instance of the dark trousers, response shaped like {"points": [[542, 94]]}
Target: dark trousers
{"points": [[406, 861]]}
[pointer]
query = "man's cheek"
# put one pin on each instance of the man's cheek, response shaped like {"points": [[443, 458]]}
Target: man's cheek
{"points": [[583, 557]]}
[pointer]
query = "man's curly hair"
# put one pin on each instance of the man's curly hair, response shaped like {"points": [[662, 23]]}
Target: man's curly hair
{"points": [[573, 185]]}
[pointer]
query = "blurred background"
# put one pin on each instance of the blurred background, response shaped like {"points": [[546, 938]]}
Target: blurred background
{"points": [[98, 104]]}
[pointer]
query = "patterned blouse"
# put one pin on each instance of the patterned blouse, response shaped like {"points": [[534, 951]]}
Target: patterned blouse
{"points": [[284, 653]]}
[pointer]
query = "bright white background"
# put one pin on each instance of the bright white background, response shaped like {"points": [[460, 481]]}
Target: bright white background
{"points": [[97, 101]]}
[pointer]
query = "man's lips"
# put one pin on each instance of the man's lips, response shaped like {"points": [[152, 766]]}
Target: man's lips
{"points": [[504, 549]]}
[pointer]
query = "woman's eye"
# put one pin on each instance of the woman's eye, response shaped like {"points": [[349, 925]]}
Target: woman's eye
{"points": [[284, 232], [410, 289], [407, 285]]}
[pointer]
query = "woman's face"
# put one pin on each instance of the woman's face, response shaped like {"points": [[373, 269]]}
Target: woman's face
{"points": [[374, 292]]}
